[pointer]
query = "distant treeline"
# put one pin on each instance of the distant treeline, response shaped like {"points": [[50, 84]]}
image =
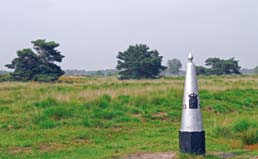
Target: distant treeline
{"points": [[107, 72], [3, 72], [40, 63], [114, 72]]}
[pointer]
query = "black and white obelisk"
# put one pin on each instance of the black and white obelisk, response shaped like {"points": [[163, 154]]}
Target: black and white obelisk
{"points": [[191, 134]]}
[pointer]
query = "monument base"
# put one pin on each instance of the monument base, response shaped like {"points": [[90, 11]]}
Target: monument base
{"points": [[192, 142]]}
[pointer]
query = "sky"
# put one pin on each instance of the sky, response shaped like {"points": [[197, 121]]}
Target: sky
{"points": [[92, 32]]}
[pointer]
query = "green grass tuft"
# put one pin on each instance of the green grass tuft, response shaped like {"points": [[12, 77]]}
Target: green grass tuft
{"points": [[250, 137], [244, 125]]}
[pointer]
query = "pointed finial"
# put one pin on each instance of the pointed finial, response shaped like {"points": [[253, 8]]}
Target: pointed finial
{"points": [[190, 57]]}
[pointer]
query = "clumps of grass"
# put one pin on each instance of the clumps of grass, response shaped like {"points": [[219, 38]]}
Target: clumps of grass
{"points": [[58, 113], [205, 94], [218, 108], [123, 99], [86, 122], [5, 101], [3, 109], [243, 125], [49, 102], [96, 123], [136, 111], [222, 131], [11, 125], [159, 101], [174, 116], [140, 101], [103, 101], [126, 119], [247, 130], [48, 124], [250, 137], [107, 114], [50, 117]]}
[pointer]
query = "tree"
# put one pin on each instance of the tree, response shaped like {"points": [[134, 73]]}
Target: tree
{"points": [[200, 70], [220, 66], [174, 66], [39, 66], [256, 70], [138, 62]]}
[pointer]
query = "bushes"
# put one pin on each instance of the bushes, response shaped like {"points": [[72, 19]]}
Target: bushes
{"points": [[5, 78]]}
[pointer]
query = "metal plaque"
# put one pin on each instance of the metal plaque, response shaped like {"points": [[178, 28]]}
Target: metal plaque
{"points": [[193, 101]]}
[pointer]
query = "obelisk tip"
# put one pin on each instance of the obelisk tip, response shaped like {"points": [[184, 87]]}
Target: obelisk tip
{"points": [[190, 57]]}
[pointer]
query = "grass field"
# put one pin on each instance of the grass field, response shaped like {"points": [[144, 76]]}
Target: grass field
{"points": [[103, 118]]}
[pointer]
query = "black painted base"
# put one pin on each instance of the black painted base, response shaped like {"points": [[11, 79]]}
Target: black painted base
{"points": [[192, 142]]}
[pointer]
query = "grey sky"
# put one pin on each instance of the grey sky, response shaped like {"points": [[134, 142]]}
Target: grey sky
{"points": [[91, 32]]}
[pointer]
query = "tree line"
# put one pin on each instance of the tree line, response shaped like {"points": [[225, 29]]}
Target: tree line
{"points": [[136, 62]]}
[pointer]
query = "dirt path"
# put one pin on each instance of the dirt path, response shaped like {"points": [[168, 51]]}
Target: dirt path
{"points": [[165, 155]]}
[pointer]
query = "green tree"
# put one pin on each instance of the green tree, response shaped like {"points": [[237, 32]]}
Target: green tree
{"points": [[256, 70], [174, 66], [220, 66], [39, 66], [139, 62], [200, 70]]}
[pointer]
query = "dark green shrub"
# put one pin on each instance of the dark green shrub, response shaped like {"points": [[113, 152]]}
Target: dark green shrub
{"points": [[5, 77]]}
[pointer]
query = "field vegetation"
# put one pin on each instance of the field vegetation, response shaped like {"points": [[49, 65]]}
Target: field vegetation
{"points": [[104, 118]]}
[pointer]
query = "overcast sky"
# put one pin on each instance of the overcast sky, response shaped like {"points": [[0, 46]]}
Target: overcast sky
{"points": [[91, 32]]}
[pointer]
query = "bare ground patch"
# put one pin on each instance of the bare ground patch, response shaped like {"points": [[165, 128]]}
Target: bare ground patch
{"points": [[164, 155], [16, 150]]}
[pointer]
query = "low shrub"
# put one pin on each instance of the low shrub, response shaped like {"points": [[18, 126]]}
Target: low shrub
{"points": [[5, 78]]}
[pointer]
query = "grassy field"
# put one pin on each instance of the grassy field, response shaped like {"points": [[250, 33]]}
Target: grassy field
{"points": [[103, 118]]}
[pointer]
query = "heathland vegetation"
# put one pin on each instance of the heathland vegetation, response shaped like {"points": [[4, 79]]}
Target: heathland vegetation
{"points": [[101, 118]]}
